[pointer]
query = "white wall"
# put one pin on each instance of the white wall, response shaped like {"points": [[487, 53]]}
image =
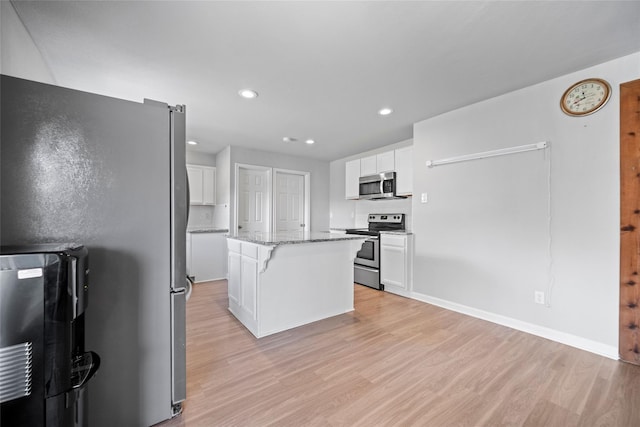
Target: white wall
{"points": [[199, 158], [353, 213], [19, 55], [485, 241]]}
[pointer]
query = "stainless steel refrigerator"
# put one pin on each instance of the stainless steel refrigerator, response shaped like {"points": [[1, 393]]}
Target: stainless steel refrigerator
{"points": [[111, 175]]}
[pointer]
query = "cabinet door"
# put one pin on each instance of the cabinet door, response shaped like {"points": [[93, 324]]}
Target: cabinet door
{"points": [[219, 255], [249, 282], [207, 256], [404, 171], [201, 266], [351, 179], [393, 261], [195, 175], [235, 269], [209, 186], [385, 162], [368, 166], [189, 255]]}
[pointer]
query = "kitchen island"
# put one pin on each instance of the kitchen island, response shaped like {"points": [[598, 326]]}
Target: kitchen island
{"points": [[278, 281]]}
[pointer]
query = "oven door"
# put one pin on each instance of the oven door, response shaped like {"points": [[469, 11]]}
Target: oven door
{"points": [[369, 253]]}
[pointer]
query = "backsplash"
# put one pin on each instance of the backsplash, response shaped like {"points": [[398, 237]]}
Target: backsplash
{"points": [[200, 217], [208, 217], [365, 207]]}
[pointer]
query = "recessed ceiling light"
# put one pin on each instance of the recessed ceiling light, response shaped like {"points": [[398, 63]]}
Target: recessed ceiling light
{"points": [[248, 93], [192, 143], [385, 111], [309, 141], [289, 139]]}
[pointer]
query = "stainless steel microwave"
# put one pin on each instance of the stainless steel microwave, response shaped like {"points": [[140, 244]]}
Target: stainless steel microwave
{"points": [[379, 186]]}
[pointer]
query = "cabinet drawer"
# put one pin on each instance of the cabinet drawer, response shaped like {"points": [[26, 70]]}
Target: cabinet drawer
{"points": [[234, 246], [250, 250], [392, 240]]}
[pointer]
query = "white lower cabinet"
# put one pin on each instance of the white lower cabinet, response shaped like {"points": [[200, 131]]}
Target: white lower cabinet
{"points": [[249, 281], [243, 279], [235, 269], [275, 287], [207, 256], [396, 254]]}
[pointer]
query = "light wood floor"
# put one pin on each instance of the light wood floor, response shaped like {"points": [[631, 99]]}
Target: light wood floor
{"points": [[393, 362]]}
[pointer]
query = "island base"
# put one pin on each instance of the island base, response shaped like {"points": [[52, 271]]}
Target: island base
{"points": [[275, 288]]}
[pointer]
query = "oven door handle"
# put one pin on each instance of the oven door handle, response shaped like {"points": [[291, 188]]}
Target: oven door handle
{"points": [[362, 267]]}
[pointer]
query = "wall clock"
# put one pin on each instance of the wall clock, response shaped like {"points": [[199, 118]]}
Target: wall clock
{"points": [[585, 97]]}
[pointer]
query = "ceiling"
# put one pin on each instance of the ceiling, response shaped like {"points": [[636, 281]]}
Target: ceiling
{"points": [[322, 69]]}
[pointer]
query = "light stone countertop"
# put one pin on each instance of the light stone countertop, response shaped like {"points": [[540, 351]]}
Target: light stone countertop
{"points": [[286, 238], [208, 230], [402, 233]]}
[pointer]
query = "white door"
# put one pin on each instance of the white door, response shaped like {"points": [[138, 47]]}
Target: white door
{"points": [[289, 201], [253, 200]]}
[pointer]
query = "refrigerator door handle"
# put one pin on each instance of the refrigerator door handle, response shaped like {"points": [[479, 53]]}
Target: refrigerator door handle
{"points": [[178, 192], [178, 350], [189, 288]]}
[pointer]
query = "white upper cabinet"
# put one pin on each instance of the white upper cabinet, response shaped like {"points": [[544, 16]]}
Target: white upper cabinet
{"points": [[399, 160], [352, 185], [209, 186], [368, 166], [404, 171], [202, 184], [371, 165], [196, 181], [385, 162]]}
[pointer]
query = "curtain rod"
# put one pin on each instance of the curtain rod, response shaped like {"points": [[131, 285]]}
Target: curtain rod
{"points": [[493, 153]]}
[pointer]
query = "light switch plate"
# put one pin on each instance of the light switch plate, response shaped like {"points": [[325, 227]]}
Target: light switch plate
{"points": [[423, 198]]}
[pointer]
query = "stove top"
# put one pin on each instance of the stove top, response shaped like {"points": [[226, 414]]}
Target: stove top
{"points": [[380, 222], [362, 231]]}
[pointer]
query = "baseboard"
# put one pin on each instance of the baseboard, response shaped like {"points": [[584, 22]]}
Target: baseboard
{"points": [[530, 328]]}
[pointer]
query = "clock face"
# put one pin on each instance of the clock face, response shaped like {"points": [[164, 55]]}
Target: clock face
{"points": [[585, 97]]}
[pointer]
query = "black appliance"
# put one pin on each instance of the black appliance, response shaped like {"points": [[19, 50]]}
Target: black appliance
{"points": [[44, 368], [366, 266]]}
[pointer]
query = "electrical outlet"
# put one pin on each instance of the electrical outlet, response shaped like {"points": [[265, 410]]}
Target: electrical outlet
{"points": [[539, 297]]}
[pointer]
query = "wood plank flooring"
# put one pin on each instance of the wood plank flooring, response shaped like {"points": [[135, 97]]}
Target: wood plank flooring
{"points": [[393, 362]]}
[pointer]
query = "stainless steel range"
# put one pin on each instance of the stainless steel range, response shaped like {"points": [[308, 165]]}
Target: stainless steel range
{"points": [[366, 266]]}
